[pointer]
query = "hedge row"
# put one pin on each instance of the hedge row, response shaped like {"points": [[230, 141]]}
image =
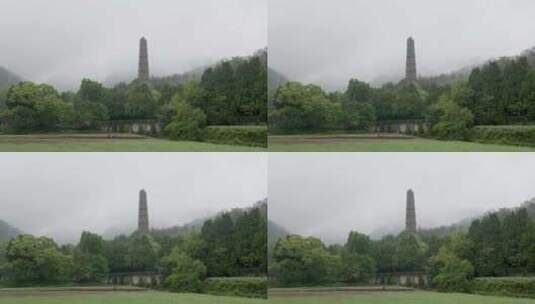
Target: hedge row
{"points": [[236, 135], [508, 135], [253, 287], [510, 286]]}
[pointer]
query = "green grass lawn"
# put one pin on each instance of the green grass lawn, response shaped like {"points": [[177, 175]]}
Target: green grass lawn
{"points": [[88, 143], [119, 297], [358, 143], [403, 297]]}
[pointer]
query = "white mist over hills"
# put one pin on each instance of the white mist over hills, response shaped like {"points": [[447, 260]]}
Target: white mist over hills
{"points": [[60, 42]]}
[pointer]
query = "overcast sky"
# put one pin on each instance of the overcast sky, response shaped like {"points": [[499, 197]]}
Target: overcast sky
{"points": [[62, 41], [61, 194], [328, 194], [328, 42]]}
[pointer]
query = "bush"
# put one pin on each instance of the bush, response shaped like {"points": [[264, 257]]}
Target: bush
{"points": [[511, 286], [450, 121], [451, 273], [237, 135], [303, 107], [359, 116], [184, 273], [187, 123], [254, 287], [509, 135]]}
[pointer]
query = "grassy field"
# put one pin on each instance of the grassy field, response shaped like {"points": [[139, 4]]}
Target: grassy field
{"points": [[30, 296], [108, 143], [399, 297], [379, 143], [118, 297]]}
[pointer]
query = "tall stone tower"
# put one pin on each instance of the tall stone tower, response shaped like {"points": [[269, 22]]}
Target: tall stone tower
{"points": [[410, 215], [143, 215], [143, 67], [410, 68]]}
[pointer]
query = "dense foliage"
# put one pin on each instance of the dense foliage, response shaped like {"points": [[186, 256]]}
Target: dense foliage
{"points": [[254, 287], [232, 244], [236, 135], [510, 287], [497, 244], [233, 92], [523, 135], [496, 93]]}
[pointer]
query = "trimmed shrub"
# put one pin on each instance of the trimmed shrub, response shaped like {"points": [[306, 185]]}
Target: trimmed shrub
{"points": [[237, 135], [253, 287], [505, 286], [186, 274], [187, 123], [449, 272], [450, 121], [509, 135]]}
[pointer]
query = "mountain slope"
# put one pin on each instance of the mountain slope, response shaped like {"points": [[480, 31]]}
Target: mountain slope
{"points": [[275, 232], [464, 72], [7, 78], [180, 78], [275, 79], [7, 231], [193, 226]]}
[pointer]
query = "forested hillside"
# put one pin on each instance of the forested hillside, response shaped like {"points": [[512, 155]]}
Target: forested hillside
{"points": [[498, 243], [231, 244], [7, 231], [7, 78]]}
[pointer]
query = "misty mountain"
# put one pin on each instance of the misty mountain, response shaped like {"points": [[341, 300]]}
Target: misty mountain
{"points": [[275, 232], [191, 75], [275, 79], [193, 226], [464, 72], [7, 231], [460, 226], [8, 78], [456, 75]]}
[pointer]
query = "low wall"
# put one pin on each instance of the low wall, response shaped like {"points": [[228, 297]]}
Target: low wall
{"points": [[145, 127], [142, 279], [409, 279], [410, 127]]}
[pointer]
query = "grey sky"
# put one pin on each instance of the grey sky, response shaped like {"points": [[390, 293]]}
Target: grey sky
{"points": [[62, 41], [61, 194], [328, 194], [328, 42]]}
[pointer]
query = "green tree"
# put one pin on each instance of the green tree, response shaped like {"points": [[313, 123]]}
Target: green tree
{"points": [[304, 261], [410, 253], [358, 243], [514, 225], [92, 91], [453, 122], [33, 107], [358, 268], [141, 100], [527, 94], [220, 256], [486, 238], [116, 252], [90, 263], [300, 107], [182, 273], [358, 116], [452, 273], [187, 123], [37, 260], [358, 91], [89, 115], [142, 253], [91, 243]]}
